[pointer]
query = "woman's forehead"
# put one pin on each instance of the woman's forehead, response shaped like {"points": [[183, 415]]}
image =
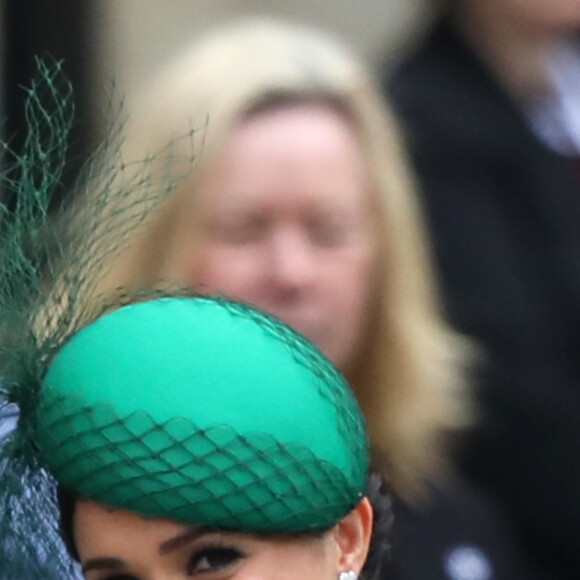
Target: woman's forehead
{"points": [[121, 522], [312, 148]]}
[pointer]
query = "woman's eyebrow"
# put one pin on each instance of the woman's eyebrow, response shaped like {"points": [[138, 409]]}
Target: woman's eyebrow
{"points": [[106, 563], [184, 538]]}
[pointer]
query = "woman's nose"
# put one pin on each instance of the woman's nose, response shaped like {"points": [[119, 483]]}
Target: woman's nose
{"points": [[292, 259]]}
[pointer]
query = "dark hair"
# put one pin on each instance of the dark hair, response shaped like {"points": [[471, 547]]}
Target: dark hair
{"points": [[377, 492], [381, 499], [66, 505]]}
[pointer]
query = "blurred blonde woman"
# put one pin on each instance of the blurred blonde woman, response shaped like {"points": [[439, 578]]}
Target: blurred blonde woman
{"points": [[405, 369], [301, 203]]}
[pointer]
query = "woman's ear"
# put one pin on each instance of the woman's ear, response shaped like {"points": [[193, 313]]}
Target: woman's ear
{"points": [[353, 537]]}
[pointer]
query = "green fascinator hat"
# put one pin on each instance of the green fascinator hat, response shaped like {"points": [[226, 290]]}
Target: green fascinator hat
{"points": [[205, 411], [196, 409]]}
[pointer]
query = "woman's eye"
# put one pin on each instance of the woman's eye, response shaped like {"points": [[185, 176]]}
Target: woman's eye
{"points": [[212, 560], [239, 230], [328, 233]]}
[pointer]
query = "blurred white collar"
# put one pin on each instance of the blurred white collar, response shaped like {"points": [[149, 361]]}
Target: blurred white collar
{"points": [[556, 119]]}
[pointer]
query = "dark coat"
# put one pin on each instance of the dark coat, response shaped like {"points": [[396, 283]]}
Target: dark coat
{"points": [[458, 534], [504, 214]]}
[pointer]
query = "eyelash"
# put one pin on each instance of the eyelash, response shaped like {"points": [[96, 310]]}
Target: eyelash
{"points": [[228, 556]]}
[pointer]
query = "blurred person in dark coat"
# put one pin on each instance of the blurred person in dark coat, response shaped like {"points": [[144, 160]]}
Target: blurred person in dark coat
{"points": [[490, 102]]}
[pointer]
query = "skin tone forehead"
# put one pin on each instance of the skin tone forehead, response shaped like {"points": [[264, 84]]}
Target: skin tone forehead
{"points": [[124, 523], [305, 148]]}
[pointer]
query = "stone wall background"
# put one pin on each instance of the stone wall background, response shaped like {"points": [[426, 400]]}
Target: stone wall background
{"points": [[138, 36]]}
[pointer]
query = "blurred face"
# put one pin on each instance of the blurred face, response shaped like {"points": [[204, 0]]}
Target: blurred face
{"points": [[552, 16], [289, 225], [119, 545]]}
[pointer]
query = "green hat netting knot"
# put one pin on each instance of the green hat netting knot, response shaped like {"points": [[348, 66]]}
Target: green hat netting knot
{"points": [[204, 411]]}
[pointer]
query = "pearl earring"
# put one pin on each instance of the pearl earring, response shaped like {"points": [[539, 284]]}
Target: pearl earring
{"points": [[350, 575]]}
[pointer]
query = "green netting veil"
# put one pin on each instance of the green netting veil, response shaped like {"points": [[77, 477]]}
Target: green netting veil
{"points": [[192, 408], [205, 411], [50, 265]]}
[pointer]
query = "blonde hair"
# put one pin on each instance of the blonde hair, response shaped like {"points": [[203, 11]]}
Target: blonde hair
{"points": [[410, 383]]}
